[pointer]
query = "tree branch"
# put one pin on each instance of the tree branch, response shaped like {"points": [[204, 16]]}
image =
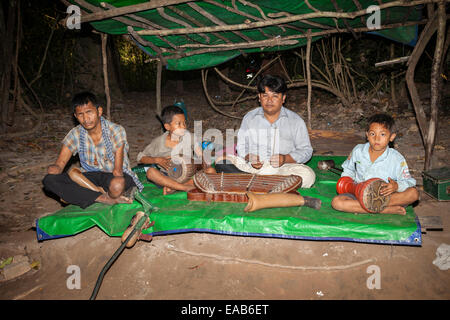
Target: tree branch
{"points": [[259, 24]]}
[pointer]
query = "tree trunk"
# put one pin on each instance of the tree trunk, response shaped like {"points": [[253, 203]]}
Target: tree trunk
{"points": [[158, 88], [104, 37], [436, 81], [424, 38], [224, 89], [7, 35], [114, 58]]}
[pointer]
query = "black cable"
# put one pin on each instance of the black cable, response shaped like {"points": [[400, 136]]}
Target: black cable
{"points": [[111, 261]]}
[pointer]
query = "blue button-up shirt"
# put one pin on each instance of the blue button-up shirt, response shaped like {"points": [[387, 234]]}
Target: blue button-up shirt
{"points": [[391, 164], [287, 135]]}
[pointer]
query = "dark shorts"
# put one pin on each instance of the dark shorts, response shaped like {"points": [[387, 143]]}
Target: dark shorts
{"points": [[65, 188]]}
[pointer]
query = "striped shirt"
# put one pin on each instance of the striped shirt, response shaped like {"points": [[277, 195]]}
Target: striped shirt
{"points": [[96, 155]]}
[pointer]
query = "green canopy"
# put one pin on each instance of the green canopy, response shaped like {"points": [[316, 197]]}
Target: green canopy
{"points": [[230, 28]]}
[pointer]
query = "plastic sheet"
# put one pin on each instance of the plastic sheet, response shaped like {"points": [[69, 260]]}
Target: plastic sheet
{"points": [[176, 214]]}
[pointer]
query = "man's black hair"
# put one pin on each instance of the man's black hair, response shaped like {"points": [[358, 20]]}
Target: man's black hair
{"points": [[168, 112], [384, 119], [274, 83], [82, 98]]}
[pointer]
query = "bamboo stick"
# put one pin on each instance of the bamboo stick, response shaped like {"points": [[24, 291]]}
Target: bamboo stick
{"points": [[308, 77], [104, 38]]}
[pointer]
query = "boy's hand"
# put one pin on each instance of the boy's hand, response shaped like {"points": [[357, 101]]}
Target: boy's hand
{"points": [[389, 188], [164, 162], [254, 160], [277, 160]]}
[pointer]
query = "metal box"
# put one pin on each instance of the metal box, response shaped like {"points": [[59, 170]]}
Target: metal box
{"points": [[436, 183]]}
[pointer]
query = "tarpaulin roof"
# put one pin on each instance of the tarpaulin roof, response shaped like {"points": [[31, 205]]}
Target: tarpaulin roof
{"points": [[188, 35]]}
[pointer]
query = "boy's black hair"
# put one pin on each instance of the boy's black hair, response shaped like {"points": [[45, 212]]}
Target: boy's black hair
{"points": [[382, 118], [274, 83], [82, 98], [168, 112]]}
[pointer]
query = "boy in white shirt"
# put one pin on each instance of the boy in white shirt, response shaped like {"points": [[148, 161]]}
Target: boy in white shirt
{"points": [[375, 159]]}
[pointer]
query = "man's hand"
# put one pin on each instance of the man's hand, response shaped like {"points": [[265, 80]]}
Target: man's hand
{"points": [[389, 188], [277, 160], [64, 156], [54, 169], [254, 160], [163, 162], [117, 173]]}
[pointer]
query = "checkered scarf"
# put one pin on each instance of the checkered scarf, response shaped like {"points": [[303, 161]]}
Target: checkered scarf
{"points": [[109, 152]]}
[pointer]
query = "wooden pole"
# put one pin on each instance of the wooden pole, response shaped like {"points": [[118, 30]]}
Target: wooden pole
{"points": [[158, 87], [435, 84], [104, 37], [393, 93], [308, 77]]}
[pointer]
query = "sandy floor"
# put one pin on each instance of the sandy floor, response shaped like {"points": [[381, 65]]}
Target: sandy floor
{"points": [[200, 265]]}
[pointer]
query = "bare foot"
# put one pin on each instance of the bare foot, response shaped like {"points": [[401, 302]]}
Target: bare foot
{"points": [[188, 186], [394, 210], [167, 190], [104, 198]]}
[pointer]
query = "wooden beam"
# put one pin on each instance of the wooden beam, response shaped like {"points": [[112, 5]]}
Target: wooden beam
{"points": [[130, 9], [294, 18], [215, 20]]}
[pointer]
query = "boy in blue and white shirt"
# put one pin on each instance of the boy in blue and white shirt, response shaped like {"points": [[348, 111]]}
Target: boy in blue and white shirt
{"points": [[375, 159]]}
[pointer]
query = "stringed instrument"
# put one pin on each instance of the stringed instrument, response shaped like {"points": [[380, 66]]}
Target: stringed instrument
{"points": [[232, 187]]}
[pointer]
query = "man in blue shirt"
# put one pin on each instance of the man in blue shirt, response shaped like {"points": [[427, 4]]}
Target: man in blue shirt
{"points": [[273, 139], [375, 159]]}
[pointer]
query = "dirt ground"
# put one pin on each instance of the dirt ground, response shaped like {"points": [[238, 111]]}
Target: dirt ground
{"points": [[210, 266]]}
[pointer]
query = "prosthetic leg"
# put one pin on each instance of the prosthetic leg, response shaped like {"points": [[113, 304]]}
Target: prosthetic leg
{"points": [[279, 200]]}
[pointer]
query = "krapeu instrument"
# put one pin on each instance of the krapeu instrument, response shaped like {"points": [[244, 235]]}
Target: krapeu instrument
{"points": [[232, 187]]}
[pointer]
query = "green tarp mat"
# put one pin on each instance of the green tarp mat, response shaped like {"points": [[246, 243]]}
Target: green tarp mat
{"points": [[176, 214], [189, 58]]}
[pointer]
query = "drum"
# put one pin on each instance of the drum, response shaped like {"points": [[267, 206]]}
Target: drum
{"points": [[367, 193], [183, 169]]}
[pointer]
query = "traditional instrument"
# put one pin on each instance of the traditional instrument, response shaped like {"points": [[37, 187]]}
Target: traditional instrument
{"points": [[367, 193], [328, 165], [279, 200], [232, 187], [182, 169], [78, 177]]}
